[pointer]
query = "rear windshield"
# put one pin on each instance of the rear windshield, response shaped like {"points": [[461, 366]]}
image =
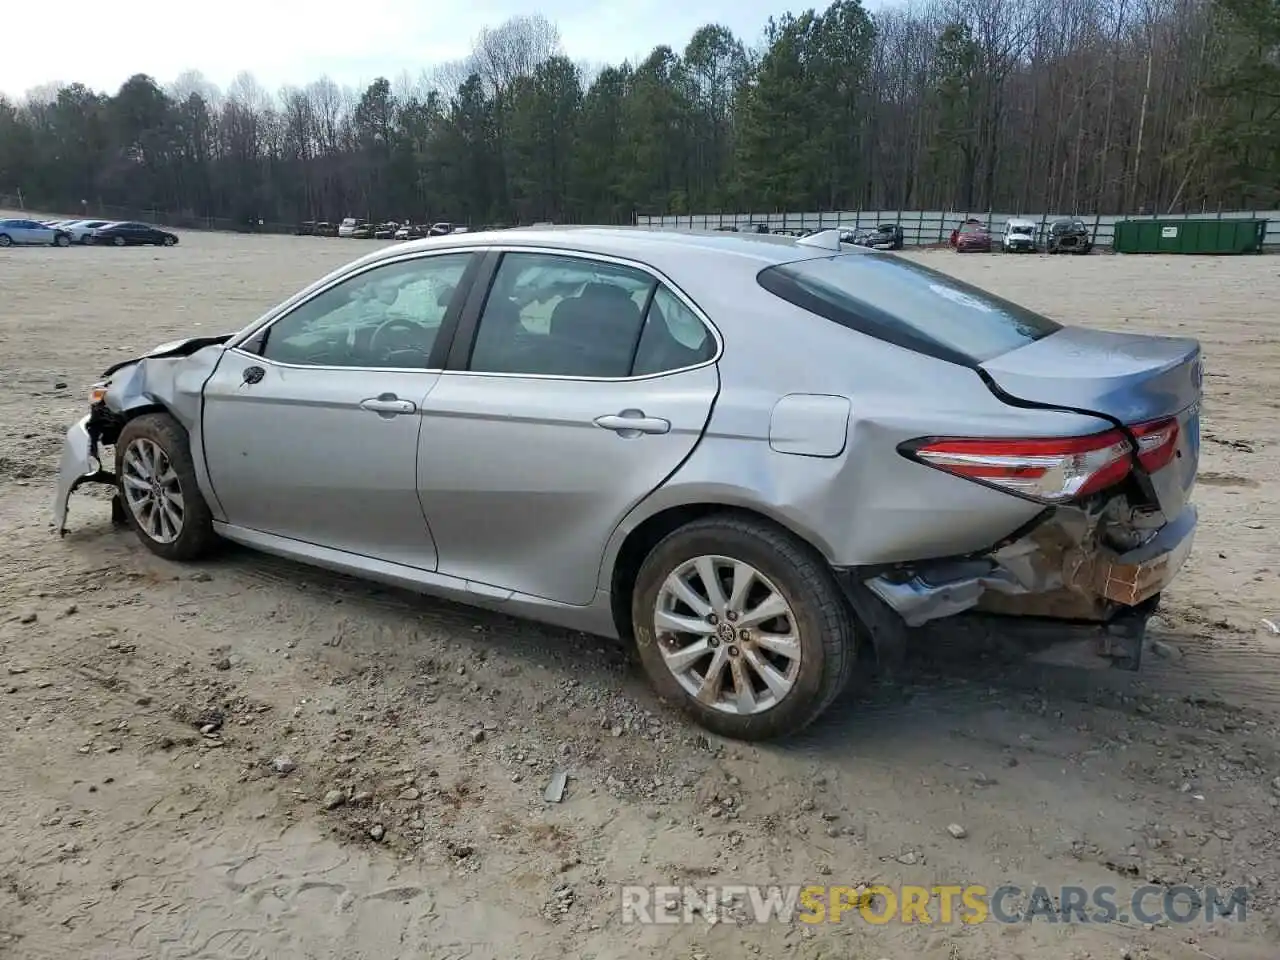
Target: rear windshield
{"points": [[909, 305]]}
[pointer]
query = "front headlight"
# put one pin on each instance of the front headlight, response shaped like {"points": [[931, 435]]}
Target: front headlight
{"points": [[98, 392]]}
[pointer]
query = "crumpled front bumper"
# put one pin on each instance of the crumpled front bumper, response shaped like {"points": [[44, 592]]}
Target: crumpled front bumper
{"points": [[79, 465]]}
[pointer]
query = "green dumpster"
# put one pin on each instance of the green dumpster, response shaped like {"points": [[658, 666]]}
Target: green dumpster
{"points": [[1189, 236]]}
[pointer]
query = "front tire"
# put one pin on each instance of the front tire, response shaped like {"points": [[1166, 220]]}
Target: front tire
{"points": [[156, 480], [743, 627], [118, 241], [62, 240], [5, 240]]}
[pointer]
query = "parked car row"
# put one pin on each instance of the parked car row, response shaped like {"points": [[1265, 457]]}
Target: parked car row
{"points": [[1064, 235], [63, 233], [355, 228]]}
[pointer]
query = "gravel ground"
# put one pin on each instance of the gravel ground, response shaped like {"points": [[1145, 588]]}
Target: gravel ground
{"points": [[246, 758]]}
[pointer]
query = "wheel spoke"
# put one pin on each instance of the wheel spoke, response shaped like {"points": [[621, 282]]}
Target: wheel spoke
{"points": [[768, 608], [175, 498], [134, 462], [678, 661], [686, 594], [743, 579], [713, 681], [783, 644], [136, 483], [172, 515], [706, 568], [744, 692], [778, 685], [666, 622]]}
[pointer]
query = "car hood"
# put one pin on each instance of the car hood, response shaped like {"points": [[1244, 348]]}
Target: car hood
{"points": [[174, 348]]}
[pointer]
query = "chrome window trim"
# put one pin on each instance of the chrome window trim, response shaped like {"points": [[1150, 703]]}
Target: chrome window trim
{"points": [[573, 254], [303, 297]]}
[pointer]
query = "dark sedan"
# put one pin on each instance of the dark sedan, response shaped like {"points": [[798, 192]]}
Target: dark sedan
{"points": [[129, 233]]}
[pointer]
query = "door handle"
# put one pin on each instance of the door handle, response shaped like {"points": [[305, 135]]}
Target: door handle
{"points": [[633, 423], [388, 405]]}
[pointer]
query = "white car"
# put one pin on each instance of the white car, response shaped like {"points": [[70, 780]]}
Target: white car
{"points": [[82, 230], [1019, 236], [351, 226]]}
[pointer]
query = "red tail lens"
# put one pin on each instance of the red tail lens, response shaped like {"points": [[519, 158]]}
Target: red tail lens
{"points": [[1157, 443], [1053, 470]]}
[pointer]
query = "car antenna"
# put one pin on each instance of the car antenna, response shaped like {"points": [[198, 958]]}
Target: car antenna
{"points": [[823, 240]]}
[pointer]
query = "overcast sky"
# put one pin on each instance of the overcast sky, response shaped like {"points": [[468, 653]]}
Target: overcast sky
{"points": [[103, 42]]}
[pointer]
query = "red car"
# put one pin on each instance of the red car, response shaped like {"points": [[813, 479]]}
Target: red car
{"points": [[971, 237]]}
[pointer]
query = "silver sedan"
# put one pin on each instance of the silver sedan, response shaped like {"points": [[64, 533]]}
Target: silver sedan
{"points": [[754, 457], [18, 232]]}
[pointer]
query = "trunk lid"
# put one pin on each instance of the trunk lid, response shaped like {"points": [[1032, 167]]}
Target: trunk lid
{"points": [[1129, 379]]}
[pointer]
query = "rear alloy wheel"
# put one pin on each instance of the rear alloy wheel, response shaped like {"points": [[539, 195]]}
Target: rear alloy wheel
{"points": [[5, 240], [743, 626], [157, 484]]}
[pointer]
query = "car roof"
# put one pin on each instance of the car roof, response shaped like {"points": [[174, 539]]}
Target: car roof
{"points": [[663, 249]]}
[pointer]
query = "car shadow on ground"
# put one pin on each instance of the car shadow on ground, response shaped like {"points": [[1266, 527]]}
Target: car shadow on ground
{"points": [[945, 682]]}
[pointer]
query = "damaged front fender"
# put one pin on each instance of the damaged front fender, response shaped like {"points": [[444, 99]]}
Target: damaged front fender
{"points": [[171, 378]]}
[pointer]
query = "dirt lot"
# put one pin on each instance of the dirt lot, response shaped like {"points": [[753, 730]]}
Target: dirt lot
{"points": [[172, 732]]}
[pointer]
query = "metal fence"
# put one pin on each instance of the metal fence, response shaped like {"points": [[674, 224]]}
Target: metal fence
{"points": [[929, 228]]}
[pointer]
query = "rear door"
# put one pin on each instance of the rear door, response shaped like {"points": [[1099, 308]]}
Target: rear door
{"points": [[310, 427], [575, 387]]}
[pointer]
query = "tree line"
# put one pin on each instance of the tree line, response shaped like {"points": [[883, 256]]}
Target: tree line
{"points": [[1114, 106]]}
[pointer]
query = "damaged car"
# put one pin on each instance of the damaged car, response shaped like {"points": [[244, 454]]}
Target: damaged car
{"points": [[1068, 235], [756, 458]]}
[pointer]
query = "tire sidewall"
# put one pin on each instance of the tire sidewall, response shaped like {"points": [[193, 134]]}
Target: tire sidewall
{"points": [[5, 240], [737, 544], [119, 241]]}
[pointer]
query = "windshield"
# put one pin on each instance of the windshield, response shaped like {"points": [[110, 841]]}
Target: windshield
{"points": [[1020, 228], [907, 304]]}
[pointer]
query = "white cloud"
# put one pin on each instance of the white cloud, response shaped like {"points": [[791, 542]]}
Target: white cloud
{"points": [[102, 43]]}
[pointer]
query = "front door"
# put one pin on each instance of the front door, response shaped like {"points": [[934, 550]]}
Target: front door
{"points": [[310, 428], [588, 384]]}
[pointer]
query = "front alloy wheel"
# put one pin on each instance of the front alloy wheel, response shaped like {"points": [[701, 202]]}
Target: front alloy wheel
{"points": [[156, 482], [153, 491]]}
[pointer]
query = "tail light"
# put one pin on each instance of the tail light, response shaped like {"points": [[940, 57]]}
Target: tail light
{"points": [[1052, 470], [1157, 443]]}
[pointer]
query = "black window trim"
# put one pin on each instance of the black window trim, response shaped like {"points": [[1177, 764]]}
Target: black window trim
{"points": [[469, 325], [865, 322], [246, 343]]}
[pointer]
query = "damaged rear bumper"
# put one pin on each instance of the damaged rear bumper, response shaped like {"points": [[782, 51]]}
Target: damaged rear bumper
{"points": [[1061, 570], [80, 464]]}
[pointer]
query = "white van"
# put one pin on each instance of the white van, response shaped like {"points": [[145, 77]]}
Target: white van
{"points": [[1019, 236]]}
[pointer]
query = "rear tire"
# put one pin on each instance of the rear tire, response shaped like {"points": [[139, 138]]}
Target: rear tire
{"points": [[5, 240], [794, 664], [156, 483]]}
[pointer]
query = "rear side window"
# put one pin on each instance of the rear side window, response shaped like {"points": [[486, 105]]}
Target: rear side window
{"points": [[909, 305]]}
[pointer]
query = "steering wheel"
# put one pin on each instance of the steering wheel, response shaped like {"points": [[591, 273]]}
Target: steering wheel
{"points": [[393, 323]]}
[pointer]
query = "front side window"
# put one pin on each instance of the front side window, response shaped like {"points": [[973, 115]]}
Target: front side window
{"points": [[909, 305], [385, 317]]}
